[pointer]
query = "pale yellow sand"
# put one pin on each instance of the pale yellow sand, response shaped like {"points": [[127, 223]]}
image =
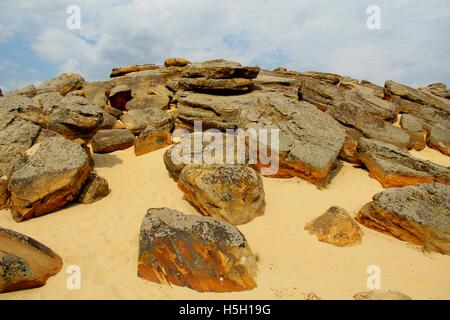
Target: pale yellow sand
{"points": [[103, 240]]}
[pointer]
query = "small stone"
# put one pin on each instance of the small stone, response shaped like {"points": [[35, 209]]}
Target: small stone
{"points": [[151, 140], [94, 189]]}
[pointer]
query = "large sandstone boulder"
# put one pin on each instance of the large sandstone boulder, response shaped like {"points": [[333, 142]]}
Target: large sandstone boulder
{"points": [[207, 84], [336, 227], [52, 177], [310, 140], [140, 119], [176, 62], [227, 192], [107, 141], [24, 262], [220, 69], [119, 96], [419, 214], [152, 139], [63, 84], [196, 252], [395, 167], [414, 127], [439, 139]]}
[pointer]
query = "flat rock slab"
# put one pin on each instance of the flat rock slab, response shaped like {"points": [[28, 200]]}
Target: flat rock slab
{"points": [[107, 141], [118, 72], [227, 192], [395, 167], [196, 252], [336, 227], [439, 139], [51, 178], [419, 214], [206, 84], [24, 262], [219, 69], [63, 84]]}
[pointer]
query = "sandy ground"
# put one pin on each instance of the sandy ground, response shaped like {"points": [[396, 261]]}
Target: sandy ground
{"points": [[102, 239]]}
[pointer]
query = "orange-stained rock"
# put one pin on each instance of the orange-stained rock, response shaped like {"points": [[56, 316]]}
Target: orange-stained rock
{"points": [[395, 167], [152, 139], [419, 214], [196, 252], [336, 227], [24, 262], [118, 72], [176, 62]]}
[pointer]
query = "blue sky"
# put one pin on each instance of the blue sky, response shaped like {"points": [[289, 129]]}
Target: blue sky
{"points": [[411, 47]]}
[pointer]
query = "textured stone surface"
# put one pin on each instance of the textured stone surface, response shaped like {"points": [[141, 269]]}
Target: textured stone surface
{"points": [[144, 101], [196, 252], [118, 72], [228, 192], [414, 127], [439, 139], [336, 227], [106, 141], [63, 84], [94, 189], [206, 84], [419, 214], [152, 139], [381, 295], [220, 69], [52, 177], [138, 120], [395, 167], [24, 262], [176, 62]]}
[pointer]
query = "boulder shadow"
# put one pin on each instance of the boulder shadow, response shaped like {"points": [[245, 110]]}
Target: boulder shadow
{"points": [[107, 160]]}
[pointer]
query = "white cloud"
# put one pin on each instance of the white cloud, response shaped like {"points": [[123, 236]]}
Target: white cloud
{"points": [[330, 36]]}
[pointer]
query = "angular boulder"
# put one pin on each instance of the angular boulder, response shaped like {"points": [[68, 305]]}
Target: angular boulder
{"points": [[176, 62], [138, 120], [336, 227], [419, 214], [63, 84], [52, 177], [196, 252], [227, 192], [94, 189], [152, 139], [439, 139], [414, 127], [107, 141], [395, 167], [24, 262]]}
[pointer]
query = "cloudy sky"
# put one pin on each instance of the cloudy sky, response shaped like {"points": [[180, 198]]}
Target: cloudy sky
{"points": [[411, 47]]}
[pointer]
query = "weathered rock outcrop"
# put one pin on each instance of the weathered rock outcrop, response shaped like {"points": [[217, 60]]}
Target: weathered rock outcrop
{"points": [[381, 295], [63, 84], [395, 167], [94, 189], [438, 89], [220, 69], [227, 192], [336, 227], [107, 141], [310, 140], [196, 252], [419, 214], [52, 177], [205, 84], [24, 262]]}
